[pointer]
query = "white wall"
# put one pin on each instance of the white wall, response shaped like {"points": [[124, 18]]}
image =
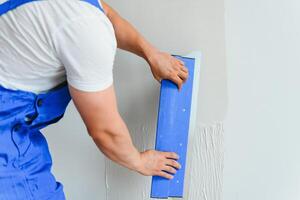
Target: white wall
{"points": [[178, 27], [262, 148]]}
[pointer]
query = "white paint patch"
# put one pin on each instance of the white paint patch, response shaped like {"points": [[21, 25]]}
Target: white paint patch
{"points": [[204, 172]]}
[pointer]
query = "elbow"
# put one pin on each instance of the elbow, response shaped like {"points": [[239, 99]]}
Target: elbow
{"points": [[103, 140], [107, 141], [97, 134], [103, 135]]}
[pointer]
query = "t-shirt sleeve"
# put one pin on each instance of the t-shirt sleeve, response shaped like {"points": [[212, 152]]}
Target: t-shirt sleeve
{"points": [[86, 47]]}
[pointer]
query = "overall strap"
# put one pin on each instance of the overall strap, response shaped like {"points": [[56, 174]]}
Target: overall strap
{"points": [[12, 4], [95, 3]]}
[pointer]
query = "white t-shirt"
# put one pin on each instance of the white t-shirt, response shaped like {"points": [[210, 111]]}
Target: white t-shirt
{"points": [[44, 43]]}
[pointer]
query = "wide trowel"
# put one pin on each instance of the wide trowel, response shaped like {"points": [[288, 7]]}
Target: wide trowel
{"points": [[176, 120]]}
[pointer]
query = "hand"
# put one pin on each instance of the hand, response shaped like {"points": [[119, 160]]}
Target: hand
{"points": [[156, 163], [165, 66]]}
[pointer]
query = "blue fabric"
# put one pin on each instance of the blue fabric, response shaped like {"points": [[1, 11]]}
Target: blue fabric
{"points": [[95, 3], [25, 160], [12, 4]]}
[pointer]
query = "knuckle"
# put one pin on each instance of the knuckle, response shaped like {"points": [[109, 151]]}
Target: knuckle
{"points": [[166, 154], [174, 74], [161, 163], [171, 69]]}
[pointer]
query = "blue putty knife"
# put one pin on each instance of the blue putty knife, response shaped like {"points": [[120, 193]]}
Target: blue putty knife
{"points": [[176, 118]]}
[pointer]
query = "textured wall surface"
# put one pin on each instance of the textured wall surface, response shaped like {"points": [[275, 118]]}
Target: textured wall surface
{"points": [[178, 27], [262, 125]]}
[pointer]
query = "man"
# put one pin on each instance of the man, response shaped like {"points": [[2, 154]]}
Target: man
{"points": [[54, 51]]}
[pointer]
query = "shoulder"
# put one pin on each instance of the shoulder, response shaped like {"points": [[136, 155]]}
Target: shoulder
{"points": [[54, 15], [64, 10], [77, 14]]}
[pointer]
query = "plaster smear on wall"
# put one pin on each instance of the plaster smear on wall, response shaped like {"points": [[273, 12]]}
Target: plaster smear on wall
{"points": [[204, 177]]}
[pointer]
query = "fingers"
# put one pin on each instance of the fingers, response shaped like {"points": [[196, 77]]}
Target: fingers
{"points": [[179, 74], [170, 166], [158, 163], [171, 159], [178, 81], [185, 69], [165, 175], [183, 75], [180, 61], [169, 169], [173, 163], [182, 66], [171, 155]]}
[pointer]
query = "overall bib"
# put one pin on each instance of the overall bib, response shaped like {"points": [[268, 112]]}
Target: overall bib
{"points": [[25, 160]]}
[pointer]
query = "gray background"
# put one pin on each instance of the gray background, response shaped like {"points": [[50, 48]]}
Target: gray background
{"points": [[262, 126]]}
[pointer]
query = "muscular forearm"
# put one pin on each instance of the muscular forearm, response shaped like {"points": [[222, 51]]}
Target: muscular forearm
{"points": [[115, 142], [128, 38], [104, 124]]}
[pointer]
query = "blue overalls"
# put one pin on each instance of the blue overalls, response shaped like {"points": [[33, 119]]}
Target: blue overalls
{"points": [[25, 160]]}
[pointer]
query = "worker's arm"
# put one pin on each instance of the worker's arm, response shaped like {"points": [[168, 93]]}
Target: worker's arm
{"points": [[163, 65], [104, 124]]}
